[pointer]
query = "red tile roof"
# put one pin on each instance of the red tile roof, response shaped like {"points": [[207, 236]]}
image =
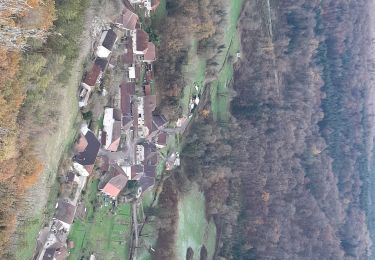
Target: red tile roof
{"points": [[92, 76], [162, 138], [116, 134], [141, 40], [127, 90], [115, 185], [150, 54], [149, 104], [128, 57], [128, 19]]}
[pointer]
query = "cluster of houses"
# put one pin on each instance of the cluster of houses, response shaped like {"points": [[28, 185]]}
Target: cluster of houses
{"points": [[126, 148]]}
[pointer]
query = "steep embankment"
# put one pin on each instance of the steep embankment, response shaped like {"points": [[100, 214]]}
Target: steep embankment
{"points": [[50, 114]]}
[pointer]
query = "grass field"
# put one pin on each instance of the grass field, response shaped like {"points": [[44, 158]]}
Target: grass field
{"points": [[31, 228], [219, 91], [194, 73], [193, 229], [102, 232]]}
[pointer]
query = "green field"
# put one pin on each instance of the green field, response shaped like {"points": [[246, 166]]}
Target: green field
{"points": [[194, 73], [193, 229], [219, 91], [102, 232]]}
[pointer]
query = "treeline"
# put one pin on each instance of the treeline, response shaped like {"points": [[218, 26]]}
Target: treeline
{"points": [[33, 75]]}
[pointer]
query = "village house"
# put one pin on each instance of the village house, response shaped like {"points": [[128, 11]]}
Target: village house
{"points": [[91, 78], [56, 252], [113, 182], [101, 63], [53, 249], [111, 133], [106, 43], [86, 150], [127, 20], [64, 214], [135, 171], [159, 122], [88, 84], [150, 53], [140, 41], [127, 92], [160, 140], [146, 105], [146, 183], [128, 56], [146, 154]]}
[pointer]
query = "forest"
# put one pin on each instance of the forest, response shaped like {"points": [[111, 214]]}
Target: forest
{"points": [[288, 176], [306, 141]]}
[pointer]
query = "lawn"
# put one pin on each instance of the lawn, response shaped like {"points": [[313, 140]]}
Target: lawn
{"points": [[102, 232], [193, 229]]}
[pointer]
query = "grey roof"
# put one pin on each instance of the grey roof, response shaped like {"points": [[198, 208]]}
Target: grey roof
{"points": [[150, 170], [159, 121], [65, 211], [109, 40], [102, 63], [88, 156]]}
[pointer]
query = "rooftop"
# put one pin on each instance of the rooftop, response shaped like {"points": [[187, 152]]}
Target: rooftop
{"points": [[109, 40], [150, 54], [146, 183], [92, 75], [128, 57], [127, 90], [88, 155], [149, 104], [128, 19], [115, 185], [159, 121], [65, 211], [142, 39], [102, 63]]}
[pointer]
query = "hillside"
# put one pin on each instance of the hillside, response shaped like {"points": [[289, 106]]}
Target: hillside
{"points": [[287, 177], [304, 169]]}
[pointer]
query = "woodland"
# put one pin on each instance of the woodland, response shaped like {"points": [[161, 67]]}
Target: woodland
{"points": [[38, 42], [288, 176]]}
